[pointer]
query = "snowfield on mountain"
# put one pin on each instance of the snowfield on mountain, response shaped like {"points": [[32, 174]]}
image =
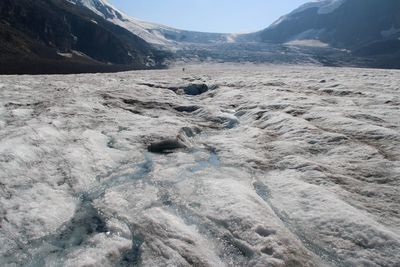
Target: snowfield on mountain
{"points": [[153, 33], [220, 165]]}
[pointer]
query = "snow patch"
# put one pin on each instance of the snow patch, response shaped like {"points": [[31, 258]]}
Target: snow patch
{"points": [[308, 43], [66, 55]]}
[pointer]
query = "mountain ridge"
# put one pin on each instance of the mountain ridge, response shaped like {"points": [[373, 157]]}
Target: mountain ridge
{"points": [[55, 36], [153, 33]]}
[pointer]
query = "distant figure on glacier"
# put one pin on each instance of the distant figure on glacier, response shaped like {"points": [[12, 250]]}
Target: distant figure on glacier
{"points": [[183, 69]]}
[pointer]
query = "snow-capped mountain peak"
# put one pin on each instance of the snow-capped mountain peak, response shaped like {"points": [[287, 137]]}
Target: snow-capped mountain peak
{"points": [[153, 33], [147, 31], [100, 7]]}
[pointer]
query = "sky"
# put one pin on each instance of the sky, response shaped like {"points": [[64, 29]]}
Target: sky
{"points": [[224, 16]]}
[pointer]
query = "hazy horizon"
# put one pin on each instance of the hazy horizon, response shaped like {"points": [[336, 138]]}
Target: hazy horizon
{"points": [[223, 16]]}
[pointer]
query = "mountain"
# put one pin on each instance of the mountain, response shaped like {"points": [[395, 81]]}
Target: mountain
{"points": [[153, 33], [366, 27], [72, 36], [332, 32], [57, 36], [111, 14]]}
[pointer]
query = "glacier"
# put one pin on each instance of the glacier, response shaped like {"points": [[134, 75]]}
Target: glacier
{"points": [[219, 165]]}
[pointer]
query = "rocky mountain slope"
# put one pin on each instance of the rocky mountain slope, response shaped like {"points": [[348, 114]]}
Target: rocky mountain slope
{"points": [[215, 166], [58, 36], [151, 32], [365, 27]]}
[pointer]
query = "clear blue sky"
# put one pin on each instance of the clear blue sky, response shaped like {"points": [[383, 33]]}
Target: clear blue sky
{"points": [[209, 15]]}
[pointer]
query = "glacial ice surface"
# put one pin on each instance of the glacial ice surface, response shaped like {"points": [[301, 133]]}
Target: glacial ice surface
{"points": [[272, 166]]}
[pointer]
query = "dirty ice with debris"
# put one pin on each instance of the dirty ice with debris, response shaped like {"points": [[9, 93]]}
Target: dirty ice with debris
{"points": [[215, 166]]}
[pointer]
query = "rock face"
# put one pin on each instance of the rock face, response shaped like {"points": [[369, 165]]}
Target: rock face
{"points": [[59, 36], [272, 168]]}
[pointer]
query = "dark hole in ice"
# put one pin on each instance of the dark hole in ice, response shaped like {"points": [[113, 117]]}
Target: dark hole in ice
{"points": [[264, 232], [195, 89], [268, 251], [188, 109], [165, 147]]}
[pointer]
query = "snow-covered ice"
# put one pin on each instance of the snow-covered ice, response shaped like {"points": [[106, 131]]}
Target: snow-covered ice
{"points": [[255, 166]]}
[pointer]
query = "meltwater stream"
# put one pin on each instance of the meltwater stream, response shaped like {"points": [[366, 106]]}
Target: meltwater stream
{"points": [[88, 220], [212, 161]]}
